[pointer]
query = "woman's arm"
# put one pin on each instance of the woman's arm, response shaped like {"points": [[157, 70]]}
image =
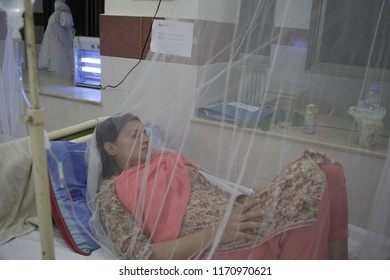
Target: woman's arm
{"points": [[193, 244]]}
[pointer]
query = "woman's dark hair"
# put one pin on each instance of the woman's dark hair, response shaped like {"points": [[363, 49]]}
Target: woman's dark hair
{"points": [[108, 131]]}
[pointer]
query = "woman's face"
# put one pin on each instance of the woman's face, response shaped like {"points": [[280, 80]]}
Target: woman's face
{"points": [[131, 145]]}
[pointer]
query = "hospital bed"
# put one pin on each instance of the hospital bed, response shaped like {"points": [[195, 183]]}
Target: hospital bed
{"points": [[25, 243], [19, 235]]}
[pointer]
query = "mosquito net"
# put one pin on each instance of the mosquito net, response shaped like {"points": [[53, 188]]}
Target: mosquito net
{"points": [[260, 151], [11, 84], [256, 129]]}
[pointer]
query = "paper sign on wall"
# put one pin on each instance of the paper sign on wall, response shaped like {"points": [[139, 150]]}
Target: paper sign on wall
{"points": [[172, 37]]}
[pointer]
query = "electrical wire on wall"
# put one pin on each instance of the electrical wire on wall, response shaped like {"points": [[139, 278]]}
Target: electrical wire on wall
{"points": [[141, 55]]}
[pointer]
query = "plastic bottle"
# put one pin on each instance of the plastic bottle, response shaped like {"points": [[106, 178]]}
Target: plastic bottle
{"points": [[374, 98], [309, 125]]}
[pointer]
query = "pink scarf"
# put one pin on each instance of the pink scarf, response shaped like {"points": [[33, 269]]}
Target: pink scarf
{"points": [[157, 193]]}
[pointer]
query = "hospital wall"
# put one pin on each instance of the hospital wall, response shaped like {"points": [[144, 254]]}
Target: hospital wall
{"points": [[121, 49]]}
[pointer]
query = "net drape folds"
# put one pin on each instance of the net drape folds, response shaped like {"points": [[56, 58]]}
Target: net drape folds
{"points": [[11, 86], [213, 153]]}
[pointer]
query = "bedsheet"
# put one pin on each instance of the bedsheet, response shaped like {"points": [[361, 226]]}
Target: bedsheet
{"points": [[28, 247], [18, 214]]}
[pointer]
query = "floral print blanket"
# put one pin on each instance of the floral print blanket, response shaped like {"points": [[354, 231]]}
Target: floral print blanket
{"points": [[290, 201]]}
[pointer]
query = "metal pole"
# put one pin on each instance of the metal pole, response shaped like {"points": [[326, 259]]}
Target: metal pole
{"points": [[35, 119]]}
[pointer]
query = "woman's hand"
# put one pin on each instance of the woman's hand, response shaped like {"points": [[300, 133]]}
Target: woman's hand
{"points": [[243, 219], [189, 246]]}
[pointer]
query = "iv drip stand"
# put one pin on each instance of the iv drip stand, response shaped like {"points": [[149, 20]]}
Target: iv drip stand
{"points": [[35, 120]]}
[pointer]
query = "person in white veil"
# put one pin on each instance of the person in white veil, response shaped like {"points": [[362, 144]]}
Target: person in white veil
{"points": [[56, 53], [160, 205]]}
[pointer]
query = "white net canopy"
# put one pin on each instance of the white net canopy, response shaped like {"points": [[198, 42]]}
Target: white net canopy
{"points": [[240, 138], [11, 85], [254, 130]]}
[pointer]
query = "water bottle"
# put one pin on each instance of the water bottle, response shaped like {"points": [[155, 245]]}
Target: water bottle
{"points": [[309, 125], [373, 99]]}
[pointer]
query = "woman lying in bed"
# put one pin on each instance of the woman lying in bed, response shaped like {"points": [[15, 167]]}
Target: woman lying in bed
{"points": [[159, 205]]}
